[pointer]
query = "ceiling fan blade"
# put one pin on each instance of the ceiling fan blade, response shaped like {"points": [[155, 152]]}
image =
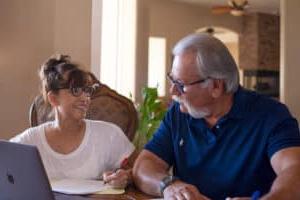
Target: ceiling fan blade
{"points": [[238, 4], [220, 9]]}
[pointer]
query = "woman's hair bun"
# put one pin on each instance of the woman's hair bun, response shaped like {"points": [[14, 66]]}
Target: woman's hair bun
{"points": [[50, 66]]}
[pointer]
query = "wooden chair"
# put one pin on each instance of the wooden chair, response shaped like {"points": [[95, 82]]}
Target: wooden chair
{"points": [[106, 105]]}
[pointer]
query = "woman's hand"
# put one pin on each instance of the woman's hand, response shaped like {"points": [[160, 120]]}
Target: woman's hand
{"points": [[117, 179]]}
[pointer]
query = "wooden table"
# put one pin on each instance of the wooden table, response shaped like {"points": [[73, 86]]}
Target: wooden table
{"points": [[130, 194]]}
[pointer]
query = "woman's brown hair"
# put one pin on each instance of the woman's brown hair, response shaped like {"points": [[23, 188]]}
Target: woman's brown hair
{"points": [[59, 72]]}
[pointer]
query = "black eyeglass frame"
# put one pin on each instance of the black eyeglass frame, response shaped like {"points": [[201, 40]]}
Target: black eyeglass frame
{"points": [[88, 90], [180, 86]]}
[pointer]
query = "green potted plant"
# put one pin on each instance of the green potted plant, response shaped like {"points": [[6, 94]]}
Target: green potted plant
{"points": [[151, 111]]}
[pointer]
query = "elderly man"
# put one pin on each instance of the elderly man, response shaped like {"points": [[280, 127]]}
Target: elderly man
{"points": [[222, 140]]}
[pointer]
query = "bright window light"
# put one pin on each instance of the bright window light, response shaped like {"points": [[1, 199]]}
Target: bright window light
{"points": [[118, 45], [157, 64]]}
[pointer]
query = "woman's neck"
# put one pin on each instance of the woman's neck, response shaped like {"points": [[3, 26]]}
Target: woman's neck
{"points": [[68, 126], [65, 136]]}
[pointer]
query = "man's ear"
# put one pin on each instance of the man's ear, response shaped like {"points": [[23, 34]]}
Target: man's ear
{"points": [[218, 88], [52, 98]]}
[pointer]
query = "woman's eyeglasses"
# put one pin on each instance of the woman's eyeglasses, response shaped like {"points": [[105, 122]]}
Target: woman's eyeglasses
{"points": [[87, 90]]}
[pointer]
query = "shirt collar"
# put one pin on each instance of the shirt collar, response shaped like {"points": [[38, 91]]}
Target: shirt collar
{"points": [[237, 110], [238, 107]]}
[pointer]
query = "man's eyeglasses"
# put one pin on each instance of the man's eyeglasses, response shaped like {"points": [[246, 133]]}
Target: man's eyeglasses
{"points": [[181, 86], [87, 90]]}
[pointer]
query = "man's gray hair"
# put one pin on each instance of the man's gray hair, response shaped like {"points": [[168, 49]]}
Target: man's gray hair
{"points": [[213, 58]]}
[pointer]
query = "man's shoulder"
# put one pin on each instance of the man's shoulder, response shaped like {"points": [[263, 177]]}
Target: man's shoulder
{"points": [[259, 104]]}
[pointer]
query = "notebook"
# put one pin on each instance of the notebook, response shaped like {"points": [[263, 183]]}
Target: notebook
{"points": [[83, 187], [22, 174]]}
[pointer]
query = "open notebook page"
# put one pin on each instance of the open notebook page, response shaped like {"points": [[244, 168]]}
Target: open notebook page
{"points": [[82, 187]]}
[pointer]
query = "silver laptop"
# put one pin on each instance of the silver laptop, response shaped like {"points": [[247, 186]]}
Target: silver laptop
{"points": [[22, 174]]}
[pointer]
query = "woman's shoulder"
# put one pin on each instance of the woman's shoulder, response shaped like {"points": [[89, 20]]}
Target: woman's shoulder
{"points": [[30, 135], [101, 124], [103, 127]]}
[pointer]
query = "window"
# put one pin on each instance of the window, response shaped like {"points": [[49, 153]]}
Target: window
{"points": [[157, 64], [118, 45]]}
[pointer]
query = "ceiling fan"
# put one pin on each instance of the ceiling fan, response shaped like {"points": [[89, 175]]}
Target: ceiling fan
{"points": [[234, 7]]}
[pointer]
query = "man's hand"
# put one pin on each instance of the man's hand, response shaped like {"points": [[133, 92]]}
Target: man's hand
{"points": [[238, 198], [117, 179], [182, 191]]}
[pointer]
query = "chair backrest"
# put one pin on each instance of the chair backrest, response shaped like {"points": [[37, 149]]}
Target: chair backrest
{"points": [[106, 105]]}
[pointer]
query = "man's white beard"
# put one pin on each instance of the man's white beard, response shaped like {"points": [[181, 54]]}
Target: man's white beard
{"points": [[195, 113]]}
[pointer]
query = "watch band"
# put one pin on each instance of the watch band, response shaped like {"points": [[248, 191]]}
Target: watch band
{"points": [[165, 182]]}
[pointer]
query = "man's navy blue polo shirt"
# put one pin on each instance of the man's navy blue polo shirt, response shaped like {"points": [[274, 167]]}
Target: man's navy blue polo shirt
{"points": [[233, 157]]}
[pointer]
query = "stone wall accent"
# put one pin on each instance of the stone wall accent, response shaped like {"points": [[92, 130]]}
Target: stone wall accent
{"points": [[259, 42]]}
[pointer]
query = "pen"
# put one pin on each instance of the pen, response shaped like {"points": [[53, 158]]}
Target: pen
{"points": [[255, 195]]}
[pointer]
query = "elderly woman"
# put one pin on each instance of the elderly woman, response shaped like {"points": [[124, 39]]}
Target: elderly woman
{"points": [[72, 146]]}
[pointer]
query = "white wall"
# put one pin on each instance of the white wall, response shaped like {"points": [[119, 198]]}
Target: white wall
{"points": [[289, 55]]}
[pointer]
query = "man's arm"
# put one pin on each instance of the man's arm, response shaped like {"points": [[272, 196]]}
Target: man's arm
{"points": [[286, 164], [148, 171]]}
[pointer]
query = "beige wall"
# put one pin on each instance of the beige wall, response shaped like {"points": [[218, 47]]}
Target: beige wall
{"points": [[290, 60], [30, 32], [72, 29], [26, 39]]}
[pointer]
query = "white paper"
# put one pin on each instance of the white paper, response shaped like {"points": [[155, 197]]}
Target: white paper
{"points": [[111, 191], [78, 187]]}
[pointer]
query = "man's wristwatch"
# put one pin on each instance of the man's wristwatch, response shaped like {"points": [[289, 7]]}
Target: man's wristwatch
{"points": [[165, 182]]}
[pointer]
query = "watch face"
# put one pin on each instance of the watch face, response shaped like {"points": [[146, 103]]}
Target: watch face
{"points": [[166, 181]]}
